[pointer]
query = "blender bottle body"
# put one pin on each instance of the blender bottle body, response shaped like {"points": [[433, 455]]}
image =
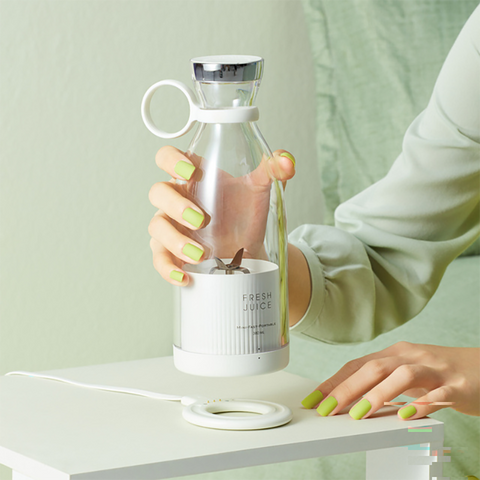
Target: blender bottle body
{"points": [[233, 320]]}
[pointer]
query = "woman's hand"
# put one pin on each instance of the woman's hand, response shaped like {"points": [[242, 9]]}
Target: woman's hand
{"points": [[437, 377], [173, 229]]}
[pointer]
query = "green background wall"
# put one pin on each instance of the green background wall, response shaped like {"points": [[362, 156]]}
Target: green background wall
{"points": [[76, 282]]}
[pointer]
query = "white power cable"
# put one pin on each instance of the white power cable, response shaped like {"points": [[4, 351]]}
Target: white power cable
{"points": [[131, 391], [198, 409]]}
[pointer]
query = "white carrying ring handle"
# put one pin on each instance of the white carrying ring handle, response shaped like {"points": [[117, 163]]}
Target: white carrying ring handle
{"points": [[197, 113]]}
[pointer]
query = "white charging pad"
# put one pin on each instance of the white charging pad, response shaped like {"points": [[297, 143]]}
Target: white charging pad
{"points": [[235, 414]]}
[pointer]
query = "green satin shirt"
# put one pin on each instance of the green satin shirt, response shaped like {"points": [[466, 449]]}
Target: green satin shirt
{"points": [[385, 257]]}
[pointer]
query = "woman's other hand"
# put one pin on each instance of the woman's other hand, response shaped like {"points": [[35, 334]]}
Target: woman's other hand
{"points": [[438, 377]]}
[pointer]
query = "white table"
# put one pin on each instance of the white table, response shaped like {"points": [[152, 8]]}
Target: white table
{"points": [[53, 431]]}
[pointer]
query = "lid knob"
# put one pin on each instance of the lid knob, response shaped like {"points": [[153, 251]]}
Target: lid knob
{"points": [[227, 68]]}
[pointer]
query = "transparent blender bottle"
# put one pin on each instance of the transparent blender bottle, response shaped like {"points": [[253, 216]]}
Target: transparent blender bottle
{"points": [[233, 315]]}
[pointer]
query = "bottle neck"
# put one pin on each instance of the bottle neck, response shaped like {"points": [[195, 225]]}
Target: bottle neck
{"points": [[217, 95]]}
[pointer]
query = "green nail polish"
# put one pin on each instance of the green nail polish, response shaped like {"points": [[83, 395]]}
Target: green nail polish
{"points": [[407, 412], [360, 409], [193, 217], [313, 399], [327, 406], [192, 252], [290, 156], [184, 169], [176, 275]]}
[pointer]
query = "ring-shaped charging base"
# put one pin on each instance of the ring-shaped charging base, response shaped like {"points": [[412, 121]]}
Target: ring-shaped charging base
{"points": [[223, 414]]}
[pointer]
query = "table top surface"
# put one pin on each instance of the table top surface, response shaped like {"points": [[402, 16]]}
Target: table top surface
{"points": [[61, 431]]}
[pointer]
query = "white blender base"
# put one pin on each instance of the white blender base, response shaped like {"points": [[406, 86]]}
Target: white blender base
{"points": [[230, 365]]}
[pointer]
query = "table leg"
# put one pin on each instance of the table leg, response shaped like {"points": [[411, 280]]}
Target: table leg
{"points": [[19, 476], [413, 462]]}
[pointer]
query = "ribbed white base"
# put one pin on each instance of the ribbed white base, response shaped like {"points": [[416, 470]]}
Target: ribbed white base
{"points": [[230, 365]]}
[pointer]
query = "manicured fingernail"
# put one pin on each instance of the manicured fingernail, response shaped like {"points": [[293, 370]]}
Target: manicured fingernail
{"points": [[193, 217], [192, 252], [184, 169], [313, 399], [290, 156], [407, 412], [360, 409], [176, 275], [327, 406]]}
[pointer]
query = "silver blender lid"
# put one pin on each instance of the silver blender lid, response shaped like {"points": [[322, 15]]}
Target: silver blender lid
{"points": [[227, 68]]}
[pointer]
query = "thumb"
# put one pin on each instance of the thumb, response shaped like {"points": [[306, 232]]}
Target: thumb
{"points": [[283, 166], [280, 166]]}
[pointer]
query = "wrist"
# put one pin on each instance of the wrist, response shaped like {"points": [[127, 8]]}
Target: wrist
{"points": [[299, 284]]}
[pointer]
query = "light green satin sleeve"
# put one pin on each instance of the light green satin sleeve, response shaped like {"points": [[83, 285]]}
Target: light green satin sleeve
{"points": [[385, 257]]}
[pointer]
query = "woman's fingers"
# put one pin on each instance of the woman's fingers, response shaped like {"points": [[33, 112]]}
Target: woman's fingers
{"points": [[182, 165], [431, 402], [165, 197], [363, 380], [181, 246], [378, 381], [176, 163], [164, 263], [404, 377], [345, 372]]}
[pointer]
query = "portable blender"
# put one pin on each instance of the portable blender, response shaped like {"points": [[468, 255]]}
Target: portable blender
{"points": [[233, 314]]}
